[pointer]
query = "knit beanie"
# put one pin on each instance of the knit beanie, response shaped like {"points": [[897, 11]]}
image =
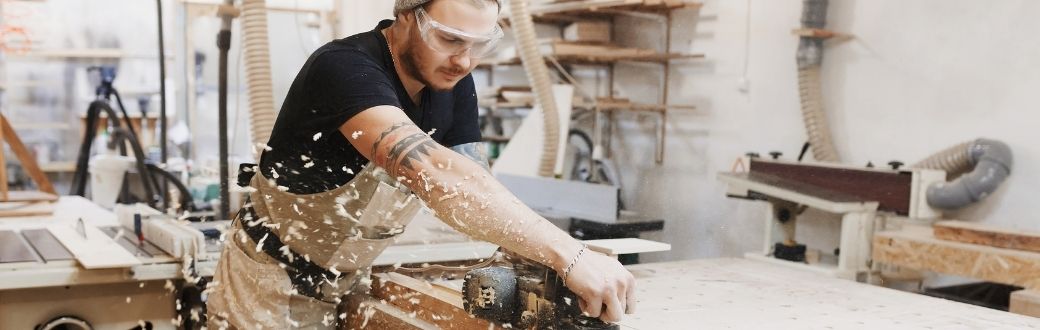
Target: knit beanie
{"points": [[401, 6]]}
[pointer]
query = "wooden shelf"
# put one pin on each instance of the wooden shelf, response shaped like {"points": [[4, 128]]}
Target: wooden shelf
{"points": [[603, 106], [573, 11], [603, 59]]}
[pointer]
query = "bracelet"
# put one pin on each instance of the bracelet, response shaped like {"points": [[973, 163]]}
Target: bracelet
{"points": [[567, 271]]}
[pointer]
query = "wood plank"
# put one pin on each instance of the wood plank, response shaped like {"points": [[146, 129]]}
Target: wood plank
{"points": [[916, 247], [613, 247], [4, 194], [95, 251], [31, 196], [1025, 302], [434, 304], [975, 233], [25, 209], [368, 313], [25, 157]]}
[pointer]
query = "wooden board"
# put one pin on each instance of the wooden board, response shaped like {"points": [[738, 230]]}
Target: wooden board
{"points": [[747, 294], [613, 247], [974, 233], [434, 304], [31, 196], [1025, 302], [95, 251], [373, 314], [25, 209], [916, 247]]}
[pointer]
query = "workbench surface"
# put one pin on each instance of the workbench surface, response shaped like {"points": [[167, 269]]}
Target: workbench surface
{"points": [[748, 294]]}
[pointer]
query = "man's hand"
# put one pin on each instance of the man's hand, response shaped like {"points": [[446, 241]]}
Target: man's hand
{"points": [[601, 281]]}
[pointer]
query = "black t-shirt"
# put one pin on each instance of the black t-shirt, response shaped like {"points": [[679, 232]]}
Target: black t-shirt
{"points": [[338, 81]]}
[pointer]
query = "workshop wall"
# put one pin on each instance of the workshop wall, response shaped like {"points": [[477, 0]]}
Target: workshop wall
{"points": [[918, 77]]}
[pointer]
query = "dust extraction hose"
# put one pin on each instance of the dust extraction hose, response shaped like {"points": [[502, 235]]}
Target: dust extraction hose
{"points": [[810, 58], [258, 70], [541, 84], [990, 163]]}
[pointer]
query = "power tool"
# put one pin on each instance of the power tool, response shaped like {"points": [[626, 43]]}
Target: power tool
{"points": [[526, 296]]}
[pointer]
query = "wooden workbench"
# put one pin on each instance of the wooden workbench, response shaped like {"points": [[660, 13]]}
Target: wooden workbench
{"points": [[748, 294]]}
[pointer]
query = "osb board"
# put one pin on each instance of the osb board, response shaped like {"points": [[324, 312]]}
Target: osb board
{"points": [[747, 294], [975, 233], [1025, 302], [917, 248]]}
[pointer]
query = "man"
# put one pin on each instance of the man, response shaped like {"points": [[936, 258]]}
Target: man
{"points": [[401, 99]]}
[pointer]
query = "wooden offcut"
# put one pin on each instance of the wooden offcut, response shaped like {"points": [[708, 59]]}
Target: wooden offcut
{"points": [[916, 247], [588, 31], [1025, 302], [974, 233]]}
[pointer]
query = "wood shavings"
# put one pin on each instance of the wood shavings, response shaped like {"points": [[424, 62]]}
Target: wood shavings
{"points": [[308, 165], [128, 299], [304, 158], [316, 137], [356, 134], [260, 244]]}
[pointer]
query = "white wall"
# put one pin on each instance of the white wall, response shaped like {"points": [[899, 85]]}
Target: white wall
{"points": [[918, 77]]}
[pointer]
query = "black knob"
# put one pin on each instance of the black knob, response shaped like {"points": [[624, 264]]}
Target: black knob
{"points": [[751, 154], [895, 164], [776, 154], [870, 164]]}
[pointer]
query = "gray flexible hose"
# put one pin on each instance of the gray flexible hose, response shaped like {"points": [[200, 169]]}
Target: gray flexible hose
{"points": [[990, 162], [541, 84], [258, 70]]}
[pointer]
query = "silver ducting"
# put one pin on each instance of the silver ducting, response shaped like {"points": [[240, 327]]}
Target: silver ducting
{"points": [[990, 163]]}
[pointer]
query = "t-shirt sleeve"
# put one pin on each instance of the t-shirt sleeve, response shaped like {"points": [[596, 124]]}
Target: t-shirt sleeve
{"points": [[465, 127], [342, 84]]}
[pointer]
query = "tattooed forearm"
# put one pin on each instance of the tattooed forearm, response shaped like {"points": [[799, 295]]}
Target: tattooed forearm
{"points": [[474, 151], [387, 132], [412, 148]]}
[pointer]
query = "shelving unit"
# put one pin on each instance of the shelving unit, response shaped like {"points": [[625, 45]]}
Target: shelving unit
{"points": [[563, 13]]}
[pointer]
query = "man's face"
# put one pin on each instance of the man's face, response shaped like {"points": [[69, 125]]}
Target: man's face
{"points": [[438, 70]]}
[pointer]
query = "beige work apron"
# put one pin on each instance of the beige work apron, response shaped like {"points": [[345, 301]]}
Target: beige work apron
{"points": [[342, 230]]}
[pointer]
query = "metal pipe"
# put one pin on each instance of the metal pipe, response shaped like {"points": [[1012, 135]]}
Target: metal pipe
{"points": [[224, 45]]}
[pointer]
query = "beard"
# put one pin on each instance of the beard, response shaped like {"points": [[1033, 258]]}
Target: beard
{"points": [[412, 60]]}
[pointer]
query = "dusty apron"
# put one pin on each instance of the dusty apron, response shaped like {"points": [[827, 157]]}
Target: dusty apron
{"points": [[289, 258]]}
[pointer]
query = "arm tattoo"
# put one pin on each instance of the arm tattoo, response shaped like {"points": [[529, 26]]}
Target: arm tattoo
{"points": [[415, 147], [386, 133], [474, 151]]}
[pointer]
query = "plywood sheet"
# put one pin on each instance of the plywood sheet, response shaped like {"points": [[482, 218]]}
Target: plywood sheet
{"points": [[975, 233], [916, 247], [95, 251], [748, 294]]}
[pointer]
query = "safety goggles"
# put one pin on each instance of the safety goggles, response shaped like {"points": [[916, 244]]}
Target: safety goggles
{"points": [[451, 41]]}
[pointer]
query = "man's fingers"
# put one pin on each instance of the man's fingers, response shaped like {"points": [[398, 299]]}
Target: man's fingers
{"points": [[614, 310], [630, 297], [593, 307]]}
